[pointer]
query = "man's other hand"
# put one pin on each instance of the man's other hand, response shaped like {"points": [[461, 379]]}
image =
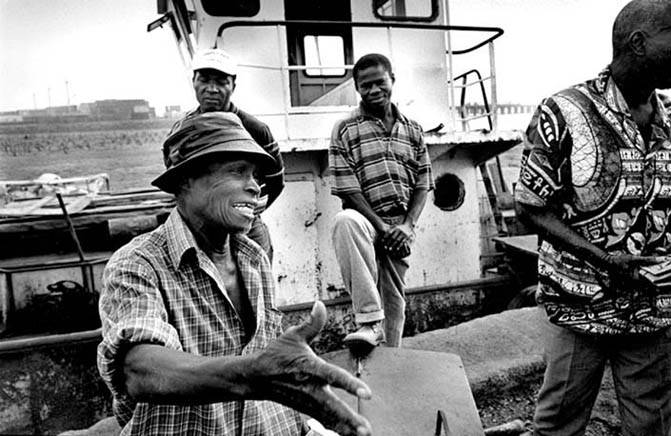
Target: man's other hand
{"points": [[289, 372], [626, 266], [396, 237], [624, 273]]}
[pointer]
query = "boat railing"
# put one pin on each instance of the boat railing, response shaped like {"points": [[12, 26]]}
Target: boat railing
{"points": [[459, 120]]}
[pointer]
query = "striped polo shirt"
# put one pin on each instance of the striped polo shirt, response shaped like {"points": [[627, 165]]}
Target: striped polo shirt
{"points": [[384, 166]]}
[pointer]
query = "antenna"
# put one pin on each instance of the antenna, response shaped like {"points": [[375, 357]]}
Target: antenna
{"points": [[67, 91], [34, 101], [49, 96]]}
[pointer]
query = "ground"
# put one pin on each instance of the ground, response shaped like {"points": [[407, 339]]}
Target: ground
{"points": [[519, 403]]}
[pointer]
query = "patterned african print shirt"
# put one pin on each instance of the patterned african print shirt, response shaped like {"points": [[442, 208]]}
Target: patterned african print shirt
{"points": [[386, 167], [585, 159], [162, 289]]}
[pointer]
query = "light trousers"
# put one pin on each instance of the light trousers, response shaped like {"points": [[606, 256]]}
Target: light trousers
{"points": [[375, 281]]}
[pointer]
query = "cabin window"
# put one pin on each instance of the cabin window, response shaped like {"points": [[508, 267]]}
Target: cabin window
{"points": [[324, 50], [319, 43], [406, 10], [229, 8]]}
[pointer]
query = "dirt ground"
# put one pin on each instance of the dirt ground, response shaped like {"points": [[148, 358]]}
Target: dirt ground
{"points": [[519, 403]]}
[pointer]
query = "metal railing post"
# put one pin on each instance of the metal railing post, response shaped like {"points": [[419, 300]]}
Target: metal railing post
{"points": [[391, 50], [451, 102], [286, 96], [492, 97]]}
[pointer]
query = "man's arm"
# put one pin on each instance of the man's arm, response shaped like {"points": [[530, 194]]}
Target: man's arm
{"points": [[401, 234], [273, 183], [287, 372], [541, 190], [551, 228], [398, 239], [345, 184]]}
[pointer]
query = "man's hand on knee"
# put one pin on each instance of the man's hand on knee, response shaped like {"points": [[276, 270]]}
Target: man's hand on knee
{"points": [[397, 236]]}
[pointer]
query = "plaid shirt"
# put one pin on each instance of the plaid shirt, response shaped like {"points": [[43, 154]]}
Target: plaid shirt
{"points": [[260, 132], [386, 167], [162, 289], [585, 158]]}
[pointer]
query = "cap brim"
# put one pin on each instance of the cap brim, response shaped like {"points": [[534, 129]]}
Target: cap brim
{"points": [[241, 148], [214, 66]]}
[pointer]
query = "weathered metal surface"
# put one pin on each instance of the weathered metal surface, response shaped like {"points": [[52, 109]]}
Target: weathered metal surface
{"points": [[25, 287], [409, 388], [44, 392]]}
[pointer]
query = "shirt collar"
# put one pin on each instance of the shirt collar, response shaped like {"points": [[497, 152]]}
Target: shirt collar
{"points": [[606, 85], [231, 108], [181, 242], [394, 110]]}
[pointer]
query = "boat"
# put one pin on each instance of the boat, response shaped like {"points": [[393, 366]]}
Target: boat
{"points": [[295, 58]]}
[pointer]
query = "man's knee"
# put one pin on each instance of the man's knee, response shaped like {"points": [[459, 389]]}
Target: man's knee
{"points": [[348, 221]]}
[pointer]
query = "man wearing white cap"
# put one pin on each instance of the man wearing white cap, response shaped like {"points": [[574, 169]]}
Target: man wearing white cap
{"points": [[214, 74]]}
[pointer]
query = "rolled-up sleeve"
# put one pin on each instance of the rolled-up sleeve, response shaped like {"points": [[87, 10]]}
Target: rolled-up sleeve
{"points": [[132, 312], [545, 165], [343, 179], [424, 175]]}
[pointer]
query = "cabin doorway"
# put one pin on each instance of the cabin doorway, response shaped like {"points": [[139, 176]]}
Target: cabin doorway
{"points": [[320, 45]]}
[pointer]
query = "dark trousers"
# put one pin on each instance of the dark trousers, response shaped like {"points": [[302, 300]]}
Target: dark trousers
{"points": [[259, 233], [641, 368]]}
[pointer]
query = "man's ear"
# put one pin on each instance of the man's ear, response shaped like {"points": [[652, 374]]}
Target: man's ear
{"points": [[234, 82], [392, 77], [636, 42]]}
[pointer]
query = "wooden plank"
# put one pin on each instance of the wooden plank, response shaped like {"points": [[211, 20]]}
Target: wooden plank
{"points": [[42, 224], [409, 388]]}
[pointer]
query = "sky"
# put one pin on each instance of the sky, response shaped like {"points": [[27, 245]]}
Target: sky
{"points": [[102, 49]]}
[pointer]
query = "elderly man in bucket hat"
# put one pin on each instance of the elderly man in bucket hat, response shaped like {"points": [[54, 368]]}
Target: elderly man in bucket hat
{"points": [[214, 75], [192, 341]]}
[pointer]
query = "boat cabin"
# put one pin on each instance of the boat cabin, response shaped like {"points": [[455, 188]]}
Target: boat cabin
{"points": [[295, 60]]}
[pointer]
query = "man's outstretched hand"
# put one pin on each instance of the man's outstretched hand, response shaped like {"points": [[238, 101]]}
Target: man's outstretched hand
{"points": [[289, 372]]}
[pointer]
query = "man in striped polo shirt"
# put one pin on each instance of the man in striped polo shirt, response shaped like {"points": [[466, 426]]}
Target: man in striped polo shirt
{"points": [[381, 172]]}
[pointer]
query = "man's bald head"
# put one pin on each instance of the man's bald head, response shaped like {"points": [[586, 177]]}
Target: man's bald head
{"points": [[638, 15]]}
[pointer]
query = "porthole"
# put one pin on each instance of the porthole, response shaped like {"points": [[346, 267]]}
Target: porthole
{"points": [[449, 193]]}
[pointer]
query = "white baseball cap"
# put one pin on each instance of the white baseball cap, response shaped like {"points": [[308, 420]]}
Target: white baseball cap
{"points": [[216, 59]]}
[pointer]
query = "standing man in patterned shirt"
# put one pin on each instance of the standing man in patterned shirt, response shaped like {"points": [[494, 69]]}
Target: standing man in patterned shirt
{"points": [[214, 75], [381, 172], [192, 340], [596, 184]]}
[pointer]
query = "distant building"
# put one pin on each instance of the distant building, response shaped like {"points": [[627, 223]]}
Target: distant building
{"points": [[10, 117], [173, 111], [118, 110], [100, 110]]}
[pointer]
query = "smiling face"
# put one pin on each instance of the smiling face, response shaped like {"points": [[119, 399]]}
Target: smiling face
{"points": [[213, 89], [374, 84], [222, 197]]}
